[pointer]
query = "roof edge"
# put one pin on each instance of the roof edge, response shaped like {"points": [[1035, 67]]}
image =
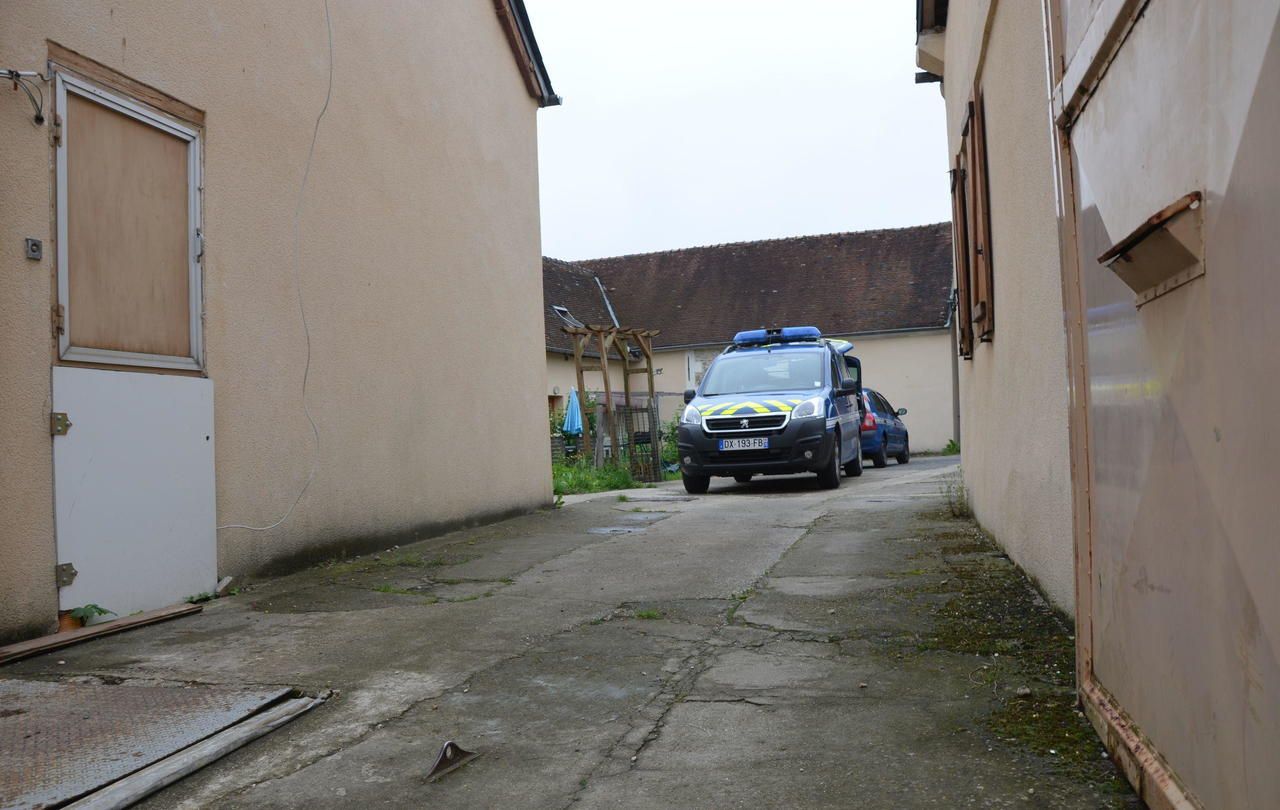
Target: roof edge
{"points": [[714, 343], [586, 263], [524, 47]]}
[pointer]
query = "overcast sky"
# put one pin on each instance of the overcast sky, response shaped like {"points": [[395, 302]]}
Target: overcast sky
{"points": [[695, 122]]}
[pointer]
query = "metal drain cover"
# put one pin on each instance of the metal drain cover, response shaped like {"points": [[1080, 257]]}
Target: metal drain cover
{"points": [[59, 741]]}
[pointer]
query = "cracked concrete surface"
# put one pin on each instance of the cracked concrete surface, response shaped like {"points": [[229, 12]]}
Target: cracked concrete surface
{"points": [[766, 645]]}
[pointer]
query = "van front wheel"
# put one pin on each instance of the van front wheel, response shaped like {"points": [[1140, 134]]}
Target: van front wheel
{"points": [[829, 478], [696, 484]]}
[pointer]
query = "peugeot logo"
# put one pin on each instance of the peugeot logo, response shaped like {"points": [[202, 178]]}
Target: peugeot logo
{"points": [[745, 423]]}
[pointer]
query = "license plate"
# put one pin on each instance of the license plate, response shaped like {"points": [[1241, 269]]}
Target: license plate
{"points": [[744, 444]]}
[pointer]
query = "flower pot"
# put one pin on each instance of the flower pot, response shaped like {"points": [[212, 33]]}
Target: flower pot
{"points": [[68, 622]]}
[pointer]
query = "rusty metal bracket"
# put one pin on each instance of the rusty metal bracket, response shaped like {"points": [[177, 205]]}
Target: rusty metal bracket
{"points": [[59, 424], [64, 574], [452, 756]]}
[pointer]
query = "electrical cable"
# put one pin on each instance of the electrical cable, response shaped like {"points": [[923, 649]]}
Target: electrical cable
{"points": [[22, 80], [302, 310]]}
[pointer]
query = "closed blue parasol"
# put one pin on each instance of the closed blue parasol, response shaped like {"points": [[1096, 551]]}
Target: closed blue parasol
{"points": [[572, 415]]}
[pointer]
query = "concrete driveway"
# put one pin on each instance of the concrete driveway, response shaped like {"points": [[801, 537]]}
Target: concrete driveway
{"points": [[765, 645]]}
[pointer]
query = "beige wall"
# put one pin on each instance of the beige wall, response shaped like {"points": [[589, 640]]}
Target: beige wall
{"points": [[913, 371], [419, 255], [1013, 392], [28, 598]]}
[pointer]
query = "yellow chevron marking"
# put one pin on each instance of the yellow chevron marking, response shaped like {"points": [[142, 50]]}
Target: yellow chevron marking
{"points": [[795, 401], [715, 408], [743, 406], [779, 404]]}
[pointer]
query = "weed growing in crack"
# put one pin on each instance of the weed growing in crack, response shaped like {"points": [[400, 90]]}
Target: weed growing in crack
{"points": [[957, 495], [389, 588], [648, 614]]}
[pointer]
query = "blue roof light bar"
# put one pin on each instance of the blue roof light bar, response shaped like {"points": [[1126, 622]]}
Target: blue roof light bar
{"points": [[791, 333], [787, 334], [751, 337]]}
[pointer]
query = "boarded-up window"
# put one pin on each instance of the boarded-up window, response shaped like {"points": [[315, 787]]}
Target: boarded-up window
{"points": [[971, 215], [128, 232]]}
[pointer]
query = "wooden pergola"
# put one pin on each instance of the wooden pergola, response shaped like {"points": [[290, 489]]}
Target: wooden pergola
{"points": [[610, 340]]}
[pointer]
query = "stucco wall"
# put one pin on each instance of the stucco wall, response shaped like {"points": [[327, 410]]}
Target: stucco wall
{"points": [[913, 371], [1013, 392], [28, 598], [419, 255]]}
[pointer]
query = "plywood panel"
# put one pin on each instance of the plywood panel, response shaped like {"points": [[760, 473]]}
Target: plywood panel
{"points": [[127, 233]]}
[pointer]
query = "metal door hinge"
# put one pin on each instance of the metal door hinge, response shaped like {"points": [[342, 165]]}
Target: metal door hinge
{"points": [[59, 424], [57, 129], [59, 317], [64, 574], [199, 245]]}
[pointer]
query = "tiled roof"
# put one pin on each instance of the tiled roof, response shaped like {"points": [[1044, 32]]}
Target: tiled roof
{"points": [[843, 283], [574, 288]]}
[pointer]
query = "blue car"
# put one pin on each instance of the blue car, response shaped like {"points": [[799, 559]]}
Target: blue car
{"points": [[884, 433]]}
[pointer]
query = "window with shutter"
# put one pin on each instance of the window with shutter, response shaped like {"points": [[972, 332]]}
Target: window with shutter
{"points": [[971, 224]]}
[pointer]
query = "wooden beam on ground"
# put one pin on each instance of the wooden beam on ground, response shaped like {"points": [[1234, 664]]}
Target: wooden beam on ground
{"points": [[44, 644]]}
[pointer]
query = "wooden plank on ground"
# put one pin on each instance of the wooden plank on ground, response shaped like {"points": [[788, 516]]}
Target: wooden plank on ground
{"points": [[44, 644]]}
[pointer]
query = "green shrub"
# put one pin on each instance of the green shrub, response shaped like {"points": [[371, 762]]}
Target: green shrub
{"points": [[670, 436], [572, 478]]}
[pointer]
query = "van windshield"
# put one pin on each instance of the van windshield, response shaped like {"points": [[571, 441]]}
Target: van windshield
{"points": [[764, 371]]}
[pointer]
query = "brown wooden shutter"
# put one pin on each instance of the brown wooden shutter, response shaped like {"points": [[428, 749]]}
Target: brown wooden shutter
{"points": [[960, 249], [980, 226]]}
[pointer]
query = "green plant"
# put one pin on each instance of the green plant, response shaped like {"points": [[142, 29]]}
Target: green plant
{"points": [[203, 596], [622, 499], [670, 436], [957, 496], [388, 588], [952, 449], [648, 614], [90, 611], [558, 502], [581, 476]]}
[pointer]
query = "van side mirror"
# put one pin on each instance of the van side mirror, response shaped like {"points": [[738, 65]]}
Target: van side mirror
{"points": [[847, 388], [902, 412], [689, 394], [854, 366]]}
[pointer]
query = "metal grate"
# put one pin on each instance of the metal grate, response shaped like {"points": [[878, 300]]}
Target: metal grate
{"points": [[639, 434], [59, 741]]}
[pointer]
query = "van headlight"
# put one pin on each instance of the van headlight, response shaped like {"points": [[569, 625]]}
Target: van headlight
{"points": [[690, 416], [813, 408]]}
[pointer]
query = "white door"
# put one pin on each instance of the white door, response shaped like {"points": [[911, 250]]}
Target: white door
{"points": [[134, 475], [133, 488]]}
